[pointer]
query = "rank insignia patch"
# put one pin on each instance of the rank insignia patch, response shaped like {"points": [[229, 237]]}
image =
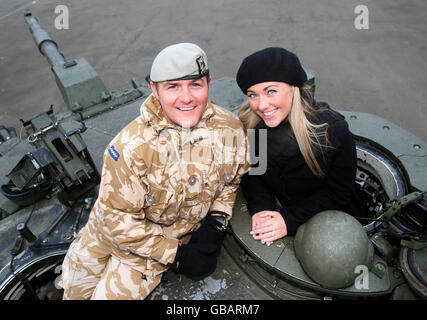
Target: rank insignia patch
{"points": [[113, 153]]}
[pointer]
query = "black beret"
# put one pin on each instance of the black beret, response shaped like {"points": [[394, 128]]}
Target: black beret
{"points": [[270, 64]]}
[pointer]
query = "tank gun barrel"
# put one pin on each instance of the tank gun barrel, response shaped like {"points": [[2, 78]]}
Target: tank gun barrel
{"points": [[44, 42], [80, 85]]}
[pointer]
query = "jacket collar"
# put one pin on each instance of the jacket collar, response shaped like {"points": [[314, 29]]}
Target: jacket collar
{"points": [[152, 115]]}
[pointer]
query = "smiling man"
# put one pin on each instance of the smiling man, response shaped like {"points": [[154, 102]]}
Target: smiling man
{"points": [[183, 95], [170, 174]]}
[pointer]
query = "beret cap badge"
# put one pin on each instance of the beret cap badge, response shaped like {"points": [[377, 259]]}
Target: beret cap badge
{"points": [[203, 70]]}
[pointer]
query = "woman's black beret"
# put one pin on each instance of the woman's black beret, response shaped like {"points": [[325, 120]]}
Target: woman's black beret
{"points": [[270, 64]]}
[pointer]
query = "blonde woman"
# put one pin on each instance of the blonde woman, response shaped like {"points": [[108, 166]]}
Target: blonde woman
{"points": [[311, 155]]}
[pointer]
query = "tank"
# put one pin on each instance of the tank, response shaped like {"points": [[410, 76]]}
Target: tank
{"points": [[50, 176]]}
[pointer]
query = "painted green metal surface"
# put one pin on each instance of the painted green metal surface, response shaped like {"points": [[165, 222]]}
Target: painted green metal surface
{"points": [[407, 149]]}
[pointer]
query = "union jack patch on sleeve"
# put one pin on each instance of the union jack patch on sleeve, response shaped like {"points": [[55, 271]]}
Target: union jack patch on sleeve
{"points": [[113, 153]]}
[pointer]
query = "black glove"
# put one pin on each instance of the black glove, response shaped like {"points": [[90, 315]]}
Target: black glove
{"points": [[197, 259], [212, 229]]}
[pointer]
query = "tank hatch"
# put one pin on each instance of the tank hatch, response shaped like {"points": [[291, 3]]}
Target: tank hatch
{"points": [[280, 259]]}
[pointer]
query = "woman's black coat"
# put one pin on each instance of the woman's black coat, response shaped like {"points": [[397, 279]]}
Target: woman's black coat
{"points": [[300, 193]]}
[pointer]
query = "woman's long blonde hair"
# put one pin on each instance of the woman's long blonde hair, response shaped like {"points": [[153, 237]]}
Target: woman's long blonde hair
{"points": [[307, 134]]}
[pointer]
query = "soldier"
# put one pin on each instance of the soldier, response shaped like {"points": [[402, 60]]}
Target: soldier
{"points": [[170, 173]]}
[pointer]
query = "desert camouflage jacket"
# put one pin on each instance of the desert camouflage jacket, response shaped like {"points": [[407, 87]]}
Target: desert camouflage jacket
{"points": [[160, 180]]}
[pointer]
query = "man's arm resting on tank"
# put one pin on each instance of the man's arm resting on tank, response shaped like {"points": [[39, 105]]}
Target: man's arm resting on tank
{"points": [[197, 258]]}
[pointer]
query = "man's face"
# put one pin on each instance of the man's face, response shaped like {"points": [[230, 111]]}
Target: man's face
{"points": [[183, 101]]}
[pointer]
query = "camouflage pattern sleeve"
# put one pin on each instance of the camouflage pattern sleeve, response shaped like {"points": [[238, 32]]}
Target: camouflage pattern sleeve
{"points": [[120, 204], [235, 168]]}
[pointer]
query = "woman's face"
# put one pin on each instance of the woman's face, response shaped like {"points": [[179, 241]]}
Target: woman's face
{"points": [[272, 101]]}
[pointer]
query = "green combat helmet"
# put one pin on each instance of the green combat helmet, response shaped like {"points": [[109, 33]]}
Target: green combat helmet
{"points": [[330, 246]]}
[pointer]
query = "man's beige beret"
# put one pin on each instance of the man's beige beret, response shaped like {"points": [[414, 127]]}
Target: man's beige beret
{"points": [[179, 62]]}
